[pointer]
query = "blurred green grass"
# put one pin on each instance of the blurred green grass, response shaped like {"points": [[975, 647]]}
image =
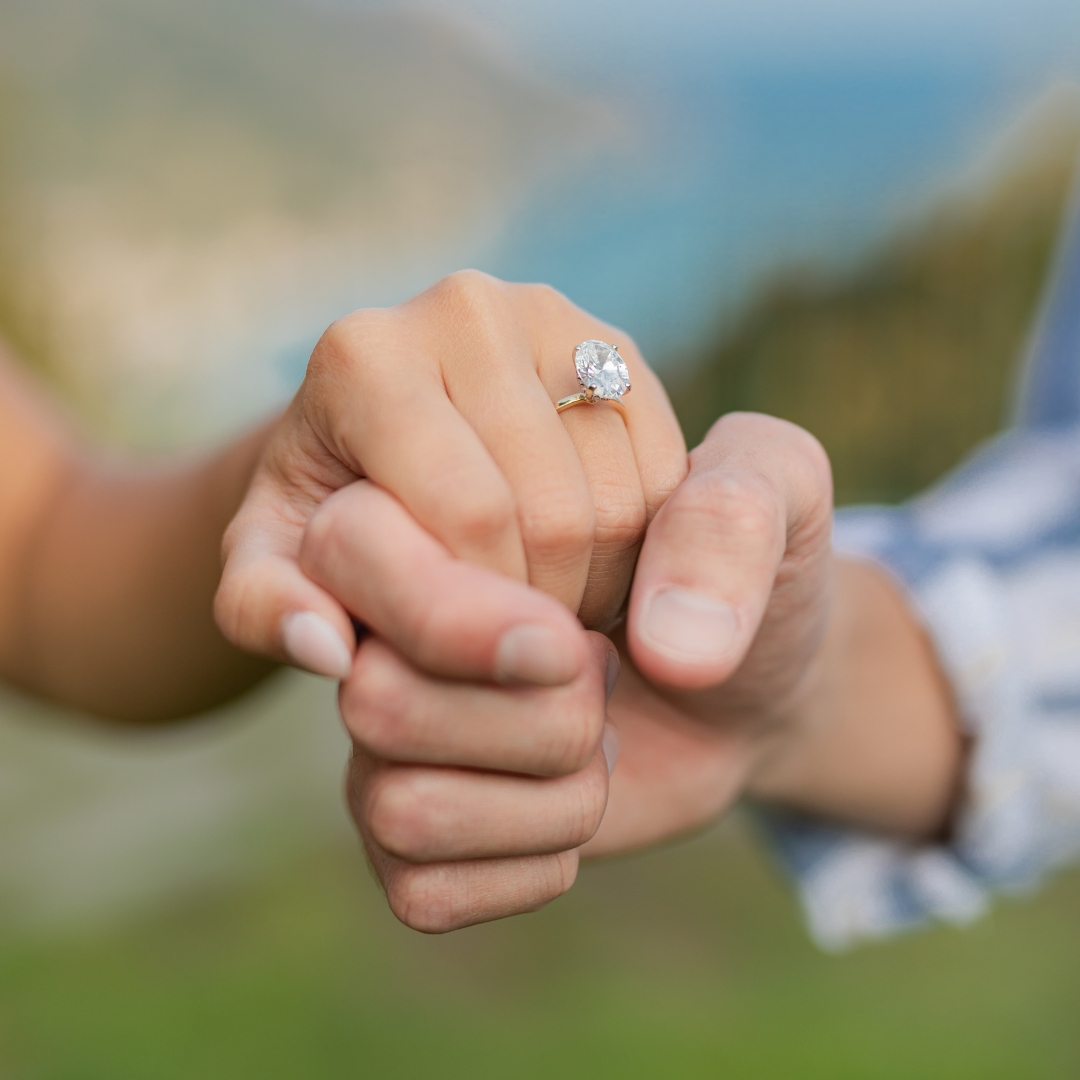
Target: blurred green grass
{"points": [[688, 961]]}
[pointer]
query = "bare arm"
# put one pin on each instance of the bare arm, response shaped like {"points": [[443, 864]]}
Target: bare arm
{"points": [[108, 571], [874, 742]]}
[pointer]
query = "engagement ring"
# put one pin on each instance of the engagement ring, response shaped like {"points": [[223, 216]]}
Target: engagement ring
{"points": [[602, 373]]}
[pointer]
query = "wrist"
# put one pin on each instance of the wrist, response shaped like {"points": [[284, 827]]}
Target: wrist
{"points": [[871, 738]]}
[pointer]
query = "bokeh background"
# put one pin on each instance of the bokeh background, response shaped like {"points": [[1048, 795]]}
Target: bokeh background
{"points": [[840, 211]]}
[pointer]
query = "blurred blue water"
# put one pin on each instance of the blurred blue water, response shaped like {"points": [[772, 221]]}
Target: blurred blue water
{"points": [[769, 132], [758, 167]]}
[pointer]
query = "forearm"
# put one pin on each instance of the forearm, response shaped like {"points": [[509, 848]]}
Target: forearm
{"points": [[111, 610], [872, 740]]}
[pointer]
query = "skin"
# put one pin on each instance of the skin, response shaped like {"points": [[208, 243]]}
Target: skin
{"points": [[108, 570], [477, 541], [826, 697], [477, 785], [450, 410]]}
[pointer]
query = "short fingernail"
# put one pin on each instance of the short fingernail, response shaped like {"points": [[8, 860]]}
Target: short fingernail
{"points": [[312, 643], [533, 653], [689, 626], [612, 674], [610, 744]]}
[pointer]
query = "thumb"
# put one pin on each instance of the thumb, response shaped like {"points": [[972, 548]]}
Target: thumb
{"points": [[759, 490], [265, 603]]}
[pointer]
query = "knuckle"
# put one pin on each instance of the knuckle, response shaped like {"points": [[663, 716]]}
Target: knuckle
{"points": [[336, 338], [585, 809], [559, 524], [799, 456], [397, 810], [348, 345], [479, 309], [470, 282], [742, 504], [621, 518], [803, 449], [560, 872], [323, 536], [802, 442], [422, 897], [479, 518], [236, 607], [470, 292], [375, 703], [335, 343], [575, 731], [545, 299]]}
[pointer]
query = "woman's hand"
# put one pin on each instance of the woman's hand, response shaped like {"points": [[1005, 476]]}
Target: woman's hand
{"points": [[446, 402]]}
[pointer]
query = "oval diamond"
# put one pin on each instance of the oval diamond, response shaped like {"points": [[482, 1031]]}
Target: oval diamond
{"points": [[602, 370]]}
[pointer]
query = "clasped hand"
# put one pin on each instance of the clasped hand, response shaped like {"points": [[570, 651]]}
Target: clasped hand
{"points": [[422, 484]]}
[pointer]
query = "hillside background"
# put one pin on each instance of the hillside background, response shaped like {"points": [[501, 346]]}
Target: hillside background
{"points": [[189, 191], [904, 362]]}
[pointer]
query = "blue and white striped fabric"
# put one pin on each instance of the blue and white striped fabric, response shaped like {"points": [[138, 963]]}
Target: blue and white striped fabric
{"points": [[990, 560]]}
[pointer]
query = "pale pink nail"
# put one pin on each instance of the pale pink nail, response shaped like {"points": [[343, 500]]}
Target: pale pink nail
{"points": [[610, 745], [312, 643], [612, 673], [534, 653], [689, 626]]}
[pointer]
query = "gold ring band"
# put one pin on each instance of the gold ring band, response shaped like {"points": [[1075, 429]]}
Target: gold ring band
{"points": [[588, 399], [574, 399]]}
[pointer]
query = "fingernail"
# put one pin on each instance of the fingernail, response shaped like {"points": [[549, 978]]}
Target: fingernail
{"points": [[689, 626], [612, 674], [610, 744], [532, 653], [312, 643]]}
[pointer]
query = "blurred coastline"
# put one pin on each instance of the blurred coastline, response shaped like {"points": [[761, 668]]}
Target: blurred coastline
{"points": [[188, 194], [906, 360]]}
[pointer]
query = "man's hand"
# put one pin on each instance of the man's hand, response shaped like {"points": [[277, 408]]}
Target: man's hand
{"points": [[472, 790], [752, 661], [759, 663]]}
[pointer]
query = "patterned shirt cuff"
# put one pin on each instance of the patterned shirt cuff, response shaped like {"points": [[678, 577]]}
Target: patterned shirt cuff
{"points": [[1021, 811]]}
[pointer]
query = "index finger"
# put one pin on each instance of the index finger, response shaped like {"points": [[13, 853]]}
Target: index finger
{"points": [[400, 428], [447, 616]]}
